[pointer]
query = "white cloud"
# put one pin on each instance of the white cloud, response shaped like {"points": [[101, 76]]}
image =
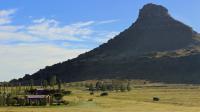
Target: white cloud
{"points": [[108, 21], [21, 59], [6, 13], [29, 56], [5, 16], [105, 36], [16, 36], [83, 24], [45, 29], [4, 21], [10, 28], [39, 20], [50, 29]]}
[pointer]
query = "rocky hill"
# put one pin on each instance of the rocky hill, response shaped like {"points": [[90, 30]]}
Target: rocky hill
{"points": [[156, 47]]}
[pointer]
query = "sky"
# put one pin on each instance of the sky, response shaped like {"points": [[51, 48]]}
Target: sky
{"points": [[39, 33]]}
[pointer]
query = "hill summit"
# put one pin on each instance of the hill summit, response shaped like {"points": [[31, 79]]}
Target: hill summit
{"points": [[156, 47]]}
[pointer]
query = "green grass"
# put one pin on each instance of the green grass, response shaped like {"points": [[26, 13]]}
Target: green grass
{"points": [[173, 98]]}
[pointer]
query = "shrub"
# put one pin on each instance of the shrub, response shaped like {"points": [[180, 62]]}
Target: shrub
{"points": [[156, 99], [42, 103], [122, 88], [2, 100], [65, 102], [21, 101], [129, 87], [104, 94], [67, 92], [110, 87], [91, 93], [11, 101], [91, 87], [98, 85], [58, 97], [91, 99], [103, 88]]}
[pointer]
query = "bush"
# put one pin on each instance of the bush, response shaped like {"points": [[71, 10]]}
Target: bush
{"points": [[65, 102], [110, 87], [122, 88], [2, 100], [91, 99], [11, 101], [91, 87], [156, 99], [104, 87], [67, 92], [21, 101], [58, 97], [129, 87], [104, 94], [91, 93]]}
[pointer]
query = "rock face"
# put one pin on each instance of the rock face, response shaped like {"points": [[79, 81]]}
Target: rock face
{"points": [[160, 31], [152, 10], [154, 30], [156, 47]]}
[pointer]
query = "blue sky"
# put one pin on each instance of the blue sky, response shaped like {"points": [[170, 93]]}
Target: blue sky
{"points": [[37, 33]]}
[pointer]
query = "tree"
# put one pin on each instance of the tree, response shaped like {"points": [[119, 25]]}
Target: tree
{"points": [[87, 85], [98, 85], [91, 87], [110, 87], [128, 87], [59, 85], [45, 84], [82, 84], [32, 83], [11, 89], [58, 97], [53, 81], [19, 87], [10, 100], [4, 88], [115, 87], [1, 100], [0, 88], [122, 88], [103, 88], [77, 84], [4, 95]]}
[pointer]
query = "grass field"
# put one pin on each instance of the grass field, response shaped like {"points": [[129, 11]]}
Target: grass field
{"points": [[173, 98]]}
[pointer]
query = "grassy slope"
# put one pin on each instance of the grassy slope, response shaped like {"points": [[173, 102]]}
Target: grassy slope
{"points": [[173, 99]]}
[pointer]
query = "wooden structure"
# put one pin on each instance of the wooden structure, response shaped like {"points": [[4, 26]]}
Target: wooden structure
{"points": [[38, 99]]}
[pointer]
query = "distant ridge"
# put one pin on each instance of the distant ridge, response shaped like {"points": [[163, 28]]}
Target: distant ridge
{"points": [[156, 47]]}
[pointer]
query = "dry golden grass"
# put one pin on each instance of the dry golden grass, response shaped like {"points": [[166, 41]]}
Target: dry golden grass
{"points": [[172, 99]]}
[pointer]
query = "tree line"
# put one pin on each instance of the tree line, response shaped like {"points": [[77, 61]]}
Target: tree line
{"points": [[102, 86]]}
